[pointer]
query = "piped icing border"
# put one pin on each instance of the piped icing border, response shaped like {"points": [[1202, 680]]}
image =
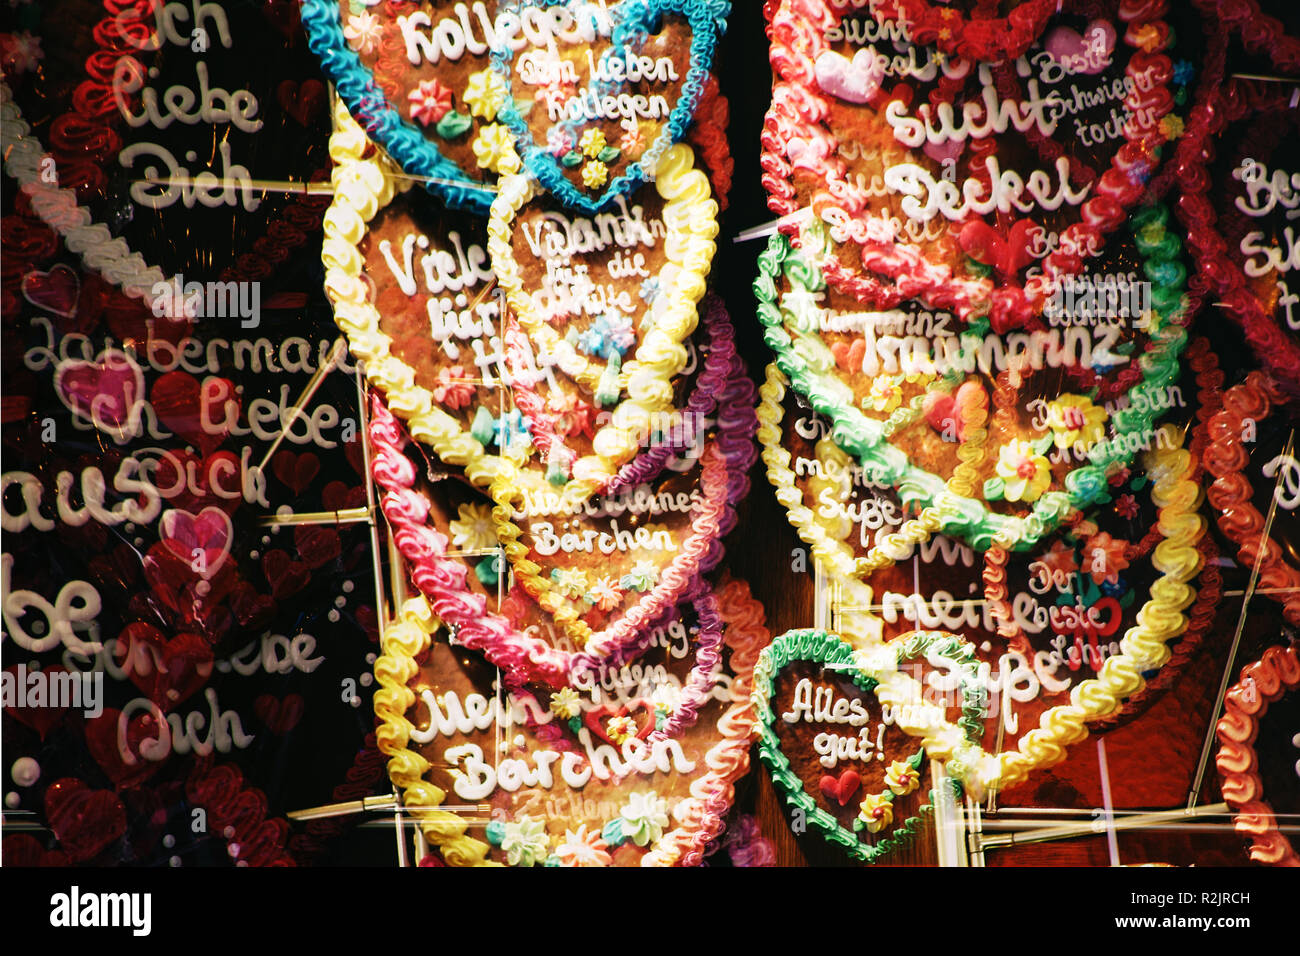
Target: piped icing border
{"points": [[874, 672], [712, 794], [632, 19], [365, 180], [690, 214], [1232, 102], [442, 579], [400, 138], [963, 516], [60, 209], [797, 117], [984, 37], [726, 460], [1276, 673], [1142, 649], [1231, 492]]}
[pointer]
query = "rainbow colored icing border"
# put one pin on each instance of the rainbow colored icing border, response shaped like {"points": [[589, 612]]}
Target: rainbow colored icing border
{"points": [[726, 460]]}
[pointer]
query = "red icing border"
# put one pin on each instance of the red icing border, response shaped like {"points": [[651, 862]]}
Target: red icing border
{"points": [[1276, 673]]}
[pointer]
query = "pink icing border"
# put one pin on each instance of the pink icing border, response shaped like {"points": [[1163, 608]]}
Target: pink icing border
{"points": [[442, 579]]}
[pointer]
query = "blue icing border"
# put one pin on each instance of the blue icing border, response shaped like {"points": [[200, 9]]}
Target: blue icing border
{"points": [[402, 140], [632, 20]]}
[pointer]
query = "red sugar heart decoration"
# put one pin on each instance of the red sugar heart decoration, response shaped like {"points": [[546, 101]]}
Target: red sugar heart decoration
{"points": [[55, 291], [842, 788], [85, 821], [202, 540], [176, 398], [279, 715], [285, 575], [167, 671], [1007, 254], [295, 471], [40, 719]]}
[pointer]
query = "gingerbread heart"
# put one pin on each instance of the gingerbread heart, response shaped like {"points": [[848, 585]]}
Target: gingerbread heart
{"points": [[822, 706], [594, 109], [905, 221], [622, 285], [907, 353], [561, 795]]}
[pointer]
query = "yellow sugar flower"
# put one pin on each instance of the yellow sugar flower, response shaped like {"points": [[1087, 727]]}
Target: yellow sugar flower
{"points": [[902, 778], [473, 531], [1025, 472], [886, 393], [592, 142], [877, 812], [484, 94], [564, 703], [495, 150], [1074, 418], [594, 174]]}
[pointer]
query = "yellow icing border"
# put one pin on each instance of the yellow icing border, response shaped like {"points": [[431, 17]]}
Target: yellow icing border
{"points": [[404, 640], [691, 216], [362, 186], [1143, 647], [410, 636]]}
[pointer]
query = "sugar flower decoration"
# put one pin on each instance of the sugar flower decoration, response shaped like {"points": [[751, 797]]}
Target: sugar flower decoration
{"points": [[572, 415], [876, 812], [902, 778], [564, 703], [1126, 506], [1103, 558], [1172, 127], [666, 698], [525, 842], [484, 93], [580, 848], [512, 431], [644, 817], [886, 393], [1024, 471], [632, 142], [473, 531], [558, 141], [495, 150], [641, 578], [570, 581], [454, 389], [592, 142], [649, 289], [430, 102], [1060, 559], [605, 594], [620, 728], [363, 31], [594, 174], [610, 334], [1075, 419]]}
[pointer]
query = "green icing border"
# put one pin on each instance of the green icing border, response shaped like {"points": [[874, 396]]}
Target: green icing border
{"points": [[824, 648], [969, 518]]}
